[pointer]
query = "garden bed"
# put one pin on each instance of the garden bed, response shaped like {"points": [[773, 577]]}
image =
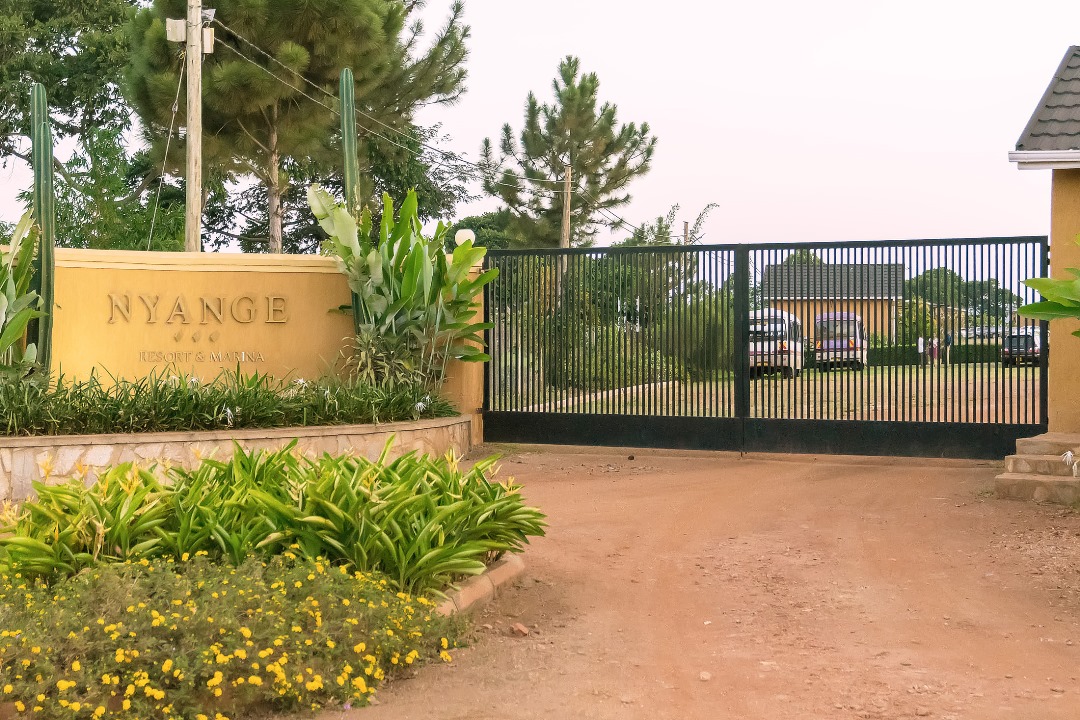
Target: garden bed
{"points": [[263, 582]]}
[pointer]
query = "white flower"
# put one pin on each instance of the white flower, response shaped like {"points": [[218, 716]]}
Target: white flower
{"points": [[1068, 458]]}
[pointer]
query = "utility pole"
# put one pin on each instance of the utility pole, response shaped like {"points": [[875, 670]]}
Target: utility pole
{"points": [[194, 49], [685, 233], [565, 240]]}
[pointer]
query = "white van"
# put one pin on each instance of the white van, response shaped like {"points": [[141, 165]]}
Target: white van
{"points": [[776, 343]]}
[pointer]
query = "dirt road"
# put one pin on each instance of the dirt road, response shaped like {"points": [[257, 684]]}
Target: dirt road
{"points": [[709, 586]]}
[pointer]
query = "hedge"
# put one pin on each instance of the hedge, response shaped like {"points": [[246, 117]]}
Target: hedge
{"points": [[909, 355]]}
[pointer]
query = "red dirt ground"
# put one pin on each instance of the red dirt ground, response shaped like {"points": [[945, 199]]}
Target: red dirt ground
{"points": [[804, 587]]}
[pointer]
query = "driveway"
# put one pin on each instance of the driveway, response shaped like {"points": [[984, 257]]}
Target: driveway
{"points": [[705, 585]]}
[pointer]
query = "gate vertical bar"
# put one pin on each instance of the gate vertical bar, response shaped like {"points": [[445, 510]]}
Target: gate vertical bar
{"points": [[742, 340], [489, 336]]}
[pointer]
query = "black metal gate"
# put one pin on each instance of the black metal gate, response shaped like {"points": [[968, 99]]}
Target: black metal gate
{"points": [[884, 348]]}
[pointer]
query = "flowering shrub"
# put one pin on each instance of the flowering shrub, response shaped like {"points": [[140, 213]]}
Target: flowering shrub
{"points": [[197, 639], [420, 520]]}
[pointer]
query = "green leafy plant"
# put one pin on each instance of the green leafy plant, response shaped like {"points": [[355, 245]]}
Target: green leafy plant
{"points": [[421, 521], [18, 303], [415, 306], [1061, 298], [163, 402]]}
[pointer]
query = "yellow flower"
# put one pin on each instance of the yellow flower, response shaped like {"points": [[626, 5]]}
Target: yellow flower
{"points": [[167, 665], [127, 704], [65, 684], [99, 711], [8, 688], [255, 680], [76, 666], [445, 656], [19, 706], [444, 643]]}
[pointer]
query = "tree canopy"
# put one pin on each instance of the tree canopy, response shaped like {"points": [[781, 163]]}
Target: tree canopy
{"points": [[576, 131], [980, 300], [803, 257], [75, 49], [268, 87]]}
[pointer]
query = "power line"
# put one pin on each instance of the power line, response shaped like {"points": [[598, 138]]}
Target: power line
{"points": [[485, 173], [375, 133], [165, 158], [372, 118]]}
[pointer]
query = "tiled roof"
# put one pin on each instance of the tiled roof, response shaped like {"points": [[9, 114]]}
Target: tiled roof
{"points": [[805, 281], [1055, 124]]}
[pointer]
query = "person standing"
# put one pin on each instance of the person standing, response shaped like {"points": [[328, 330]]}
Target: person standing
{"points": [[948, 346], [921, 345], [933, 352]]}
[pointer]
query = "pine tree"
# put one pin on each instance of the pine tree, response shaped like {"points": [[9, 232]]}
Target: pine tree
{"points": [[253, 122], [604, 157]]}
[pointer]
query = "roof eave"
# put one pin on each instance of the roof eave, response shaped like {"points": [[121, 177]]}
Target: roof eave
{"points": [[1046, 159]]}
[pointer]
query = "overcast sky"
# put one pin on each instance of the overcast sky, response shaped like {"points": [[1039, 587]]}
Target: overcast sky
{"points": [[834, 120]]}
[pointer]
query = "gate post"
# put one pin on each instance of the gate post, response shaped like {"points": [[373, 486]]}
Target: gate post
{"points": [[742, 339], [1044, 340]]}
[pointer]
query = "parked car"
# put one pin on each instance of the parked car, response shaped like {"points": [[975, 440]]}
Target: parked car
{"points": [[776, 343], [840, 340], [1021, 347]]}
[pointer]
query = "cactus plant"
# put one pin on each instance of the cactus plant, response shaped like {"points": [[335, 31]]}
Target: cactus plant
{"points": [[40, 332], [348, 142], [351, 167]]}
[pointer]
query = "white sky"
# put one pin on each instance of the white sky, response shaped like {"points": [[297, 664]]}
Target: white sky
{"points": [[834, 120]]}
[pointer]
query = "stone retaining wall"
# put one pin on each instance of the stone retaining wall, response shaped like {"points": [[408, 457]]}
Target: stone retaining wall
{"points": [[59, 457]]}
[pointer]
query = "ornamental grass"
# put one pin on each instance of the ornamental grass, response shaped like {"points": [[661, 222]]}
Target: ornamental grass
{"points": [[164, 402]]}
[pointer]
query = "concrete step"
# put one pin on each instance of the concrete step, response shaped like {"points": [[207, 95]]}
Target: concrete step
{"points": [[1040, 488], [1049, 444], [1039, 465]]}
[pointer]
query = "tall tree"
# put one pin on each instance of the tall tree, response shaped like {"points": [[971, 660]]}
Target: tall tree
{"points": [[117, 201], [240, 217], [979, 300], [489, 228], [660, 231], [576, 132], [268, 86], [803, 257], [75, 49]]}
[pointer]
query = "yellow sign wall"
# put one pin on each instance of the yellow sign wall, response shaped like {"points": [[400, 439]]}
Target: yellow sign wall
{"points": [[129, 313]]}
